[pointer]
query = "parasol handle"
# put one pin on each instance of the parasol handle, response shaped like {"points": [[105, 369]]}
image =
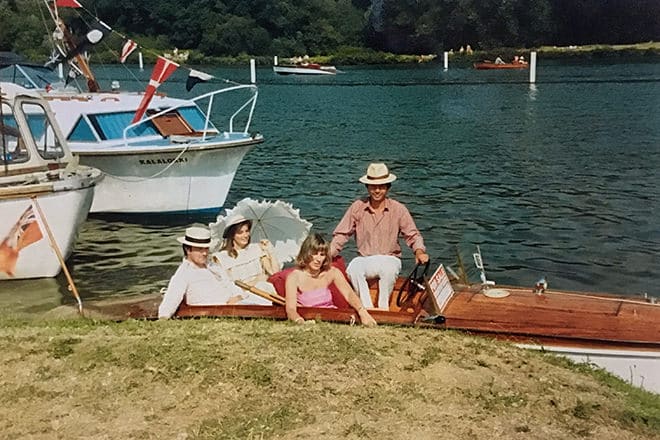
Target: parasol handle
{"points": [[262, 293]]}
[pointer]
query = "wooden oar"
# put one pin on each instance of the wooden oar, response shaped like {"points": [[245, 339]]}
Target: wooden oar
{"points": [[262, 293], [56, 248]]}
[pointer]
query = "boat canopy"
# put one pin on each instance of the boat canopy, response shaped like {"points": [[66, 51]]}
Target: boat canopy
{"points": [[37, 143]]}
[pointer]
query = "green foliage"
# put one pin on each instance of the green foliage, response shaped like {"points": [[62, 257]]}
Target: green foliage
{"points": [[357, 31]]}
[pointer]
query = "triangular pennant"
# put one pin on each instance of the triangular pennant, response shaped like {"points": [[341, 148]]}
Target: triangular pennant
{"points": [[127, 49], [162, 70], [67, 4], [196, 77], [96, 34]]}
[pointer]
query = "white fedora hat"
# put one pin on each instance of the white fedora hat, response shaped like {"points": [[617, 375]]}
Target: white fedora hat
{"points": [[197, 236], [377, 174]]}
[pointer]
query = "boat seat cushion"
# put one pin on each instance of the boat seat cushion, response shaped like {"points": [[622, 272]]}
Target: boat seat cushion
{"points": [[278, 280]]}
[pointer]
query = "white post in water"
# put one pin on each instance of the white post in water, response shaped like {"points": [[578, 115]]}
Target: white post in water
{"points": [[446, 60], [253, 71], [140, 61], [275, 60], [532, 68], [60, 71]]}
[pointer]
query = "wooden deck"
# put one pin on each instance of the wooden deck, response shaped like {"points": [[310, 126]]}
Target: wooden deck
{"points": [[572, 318]]}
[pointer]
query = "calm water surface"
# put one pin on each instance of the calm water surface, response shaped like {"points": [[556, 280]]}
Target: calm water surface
{"points": [[558, 179]]}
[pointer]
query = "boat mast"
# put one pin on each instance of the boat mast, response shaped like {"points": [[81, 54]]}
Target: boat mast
{"points": [[63, 34]]}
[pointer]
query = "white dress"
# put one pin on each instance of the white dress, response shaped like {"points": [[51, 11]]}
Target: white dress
{"points": [[246, 266]]}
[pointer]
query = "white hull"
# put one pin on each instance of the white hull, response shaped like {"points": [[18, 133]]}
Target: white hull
{"points": [[639, 368], [64, 212], [294, 70], [155, 172], [160, 181]]}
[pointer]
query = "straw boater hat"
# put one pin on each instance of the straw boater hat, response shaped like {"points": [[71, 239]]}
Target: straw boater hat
{"points": [[197, 236], [234, 220], [377, 174]]}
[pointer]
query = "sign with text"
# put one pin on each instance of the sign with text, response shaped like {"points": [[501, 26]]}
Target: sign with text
{"points": [[441, 289]]}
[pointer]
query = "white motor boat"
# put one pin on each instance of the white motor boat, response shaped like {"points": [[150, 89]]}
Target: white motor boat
{"points": [[167, 157], [304, 69], [45, 195], [172, 160]]}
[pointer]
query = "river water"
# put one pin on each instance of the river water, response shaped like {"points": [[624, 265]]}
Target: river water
{"points": [[558, 179]]}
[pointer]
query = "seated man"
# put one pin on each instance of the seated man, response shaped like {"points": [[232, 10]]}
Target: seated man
{"points": [[197, 282], [376, 222]]}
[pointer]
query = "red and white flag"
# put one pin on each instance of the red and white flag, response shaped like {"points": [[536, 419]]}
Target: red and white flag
{"points": [[67, 4], [127, 49], [25, 232], [162, 70]]}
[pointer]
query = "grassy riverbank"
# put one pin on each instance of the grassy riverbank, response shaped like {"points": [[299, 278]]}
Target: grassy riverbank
{"points": [[230, 379]]}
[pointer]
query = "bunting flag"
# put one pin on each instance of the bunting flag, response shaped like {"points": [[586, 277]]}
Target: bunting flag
{"points": [[25, 232], [162, 70], [126, 50], [196, 77], [67, 4], [95, 35]]}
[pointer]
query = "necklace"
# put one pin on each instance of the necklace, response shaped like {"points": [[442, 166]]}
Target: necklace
{"points": [[314, 274]]}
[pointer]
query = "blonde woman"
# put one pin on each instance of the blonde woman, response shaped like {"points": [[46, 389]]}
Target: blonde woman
{"points": [[309, 284]]}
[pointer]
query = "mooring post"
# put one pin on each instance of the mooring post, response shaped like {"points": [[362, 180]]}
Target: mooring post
{"points": [[446, 60], [532, 68], [275, 60], [253, 71], [140, 61]]}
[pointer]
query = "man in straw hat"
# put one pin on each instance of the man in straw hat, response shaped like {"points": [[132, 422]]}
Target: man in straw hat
{"points": [[376, 222], [197, 282]]}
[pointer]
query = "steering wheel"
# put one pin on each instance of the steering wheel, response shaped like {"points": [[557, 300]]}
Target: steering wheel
{"points": [[413, 284]]}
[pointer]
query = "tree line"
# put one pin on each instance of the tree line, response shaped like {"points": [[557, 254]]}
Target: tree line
{"points": [[219, 28]]}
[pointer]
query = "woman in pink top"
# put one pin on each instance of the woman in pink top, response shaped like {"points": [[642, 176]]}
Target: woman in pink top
{"points": [[309, 284]]}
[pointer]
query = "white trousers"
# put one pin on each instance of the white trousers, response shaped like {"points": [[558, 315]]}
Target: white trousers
{"points": [[384, 267]]}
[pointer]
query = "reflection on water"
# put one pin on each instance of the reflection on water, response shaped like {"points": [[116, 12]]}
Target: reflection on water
{"points": [[29, 297], [556, 179]]}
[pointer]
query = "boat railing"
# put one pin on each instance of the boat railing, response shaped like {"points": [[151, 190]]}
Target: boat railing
{"points": [[251, 102]]}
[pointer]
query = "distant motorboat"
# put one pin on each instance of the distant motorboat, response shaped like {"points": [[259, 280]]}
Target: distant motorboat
{"points": [[304, 69], [43, 189], [489, 65]]}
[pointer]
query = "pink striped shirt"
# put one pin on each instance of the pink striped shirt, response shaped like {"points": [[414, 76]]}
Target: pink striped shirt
{"points": [[377, 233]]}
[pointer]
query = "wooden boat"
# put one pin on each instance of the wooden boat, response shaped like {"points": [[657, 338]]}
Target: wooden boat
{"points": [[45, 195], [489, 65], [618, 333]]}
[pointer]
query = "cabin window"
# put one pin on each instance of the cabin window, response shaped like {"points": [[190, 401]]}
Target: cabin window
{"points": [[111, 126], [12, 145], [196, 118], [41, 129], [82, 132]]}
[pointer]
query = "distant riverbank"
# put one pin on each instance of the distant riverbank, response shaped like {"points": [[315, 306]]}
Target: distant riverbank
{"points": [[347, 56]]}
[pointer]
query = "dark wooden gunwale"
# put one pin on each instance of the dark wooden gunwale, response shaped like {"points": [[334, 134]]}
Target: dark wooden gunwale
{"points": [[554, 318]]}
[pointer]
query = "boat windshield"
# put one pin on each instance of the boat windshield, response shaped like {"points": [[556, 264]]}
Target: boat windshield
{"points": [[42, 132], [12, 146], [29, 76], [109, 126]]}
